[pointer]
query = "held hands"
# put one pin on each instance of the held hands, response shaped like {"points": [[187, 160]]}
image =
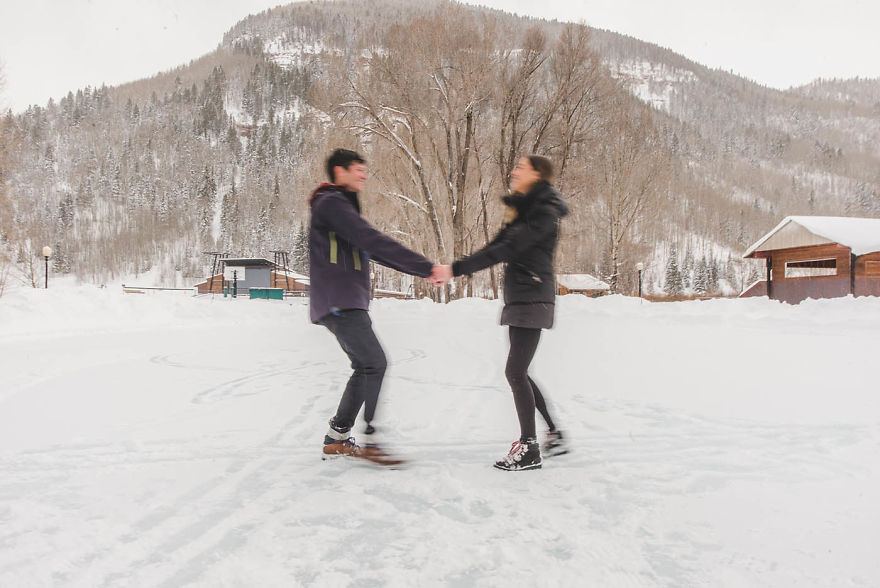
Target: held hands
{"points": [[440, 275]]}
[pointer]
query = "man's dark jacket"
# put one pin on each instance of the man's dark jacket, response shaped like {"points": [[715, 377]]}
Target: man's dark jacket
{"points": [[527, 245], [341, 245]]}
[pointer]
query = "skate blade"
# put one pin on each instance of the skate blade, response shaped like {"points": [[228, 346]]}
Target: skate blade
{"points": [[391, 464], [555, 453]]}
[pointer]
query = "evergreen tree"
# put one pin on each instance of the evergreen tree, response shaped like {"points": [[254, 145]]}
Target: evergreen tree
{"points": [[712, 284], [687, 269], [229, 217], [701, 277], [673, 284], [207, 190], [301, 251]]}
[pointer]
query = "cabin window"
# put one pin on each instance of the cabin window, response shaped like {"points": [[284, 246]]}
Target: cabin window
{"points": [[811, 269]]}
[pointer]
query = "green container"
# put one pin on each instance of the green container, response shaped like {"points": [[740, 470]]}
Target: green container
{"points": [[267, 293]]}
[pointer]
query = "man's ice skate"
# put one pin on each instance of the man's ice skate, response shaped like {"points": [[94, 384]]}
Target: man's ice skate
{"points": [[554, 445], [335, 448], [339, 448], [523, 455]]}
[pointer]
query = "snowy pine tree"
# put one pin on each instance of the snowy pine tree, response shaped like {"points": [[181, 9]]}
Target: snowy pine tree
{"points": [[673, 284], [712, 284], [687, 269], [207, 190], [301, 251], [701, 277]]}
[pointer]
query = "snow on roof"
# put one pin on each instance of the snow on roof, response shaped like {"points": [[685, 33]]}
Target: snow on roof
{"points": [[861, 235], [293, 275], [245, 261], [581, 282]]}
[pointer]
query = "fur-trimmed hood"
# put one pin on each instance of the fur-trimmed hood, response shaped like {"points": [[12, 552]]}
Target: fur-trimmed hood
{"points": [[541, 194]]}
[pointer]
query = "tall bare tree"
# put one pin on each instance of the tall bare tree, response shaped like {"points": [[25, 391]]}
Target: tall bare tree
{"points": [[629, 170], [7, 138], [581, 88], [518, 94], [424, 95]]}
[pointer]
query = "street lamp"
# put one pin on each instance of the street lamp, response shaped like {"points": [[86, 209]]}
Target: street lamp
{"points": [[640, 266], [47, 253]]}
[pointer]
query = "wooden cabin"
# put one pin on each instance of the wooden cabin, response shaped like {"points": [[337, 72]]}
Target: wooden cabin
{"points": [[584, 284], [818, 257], [259, 273]]}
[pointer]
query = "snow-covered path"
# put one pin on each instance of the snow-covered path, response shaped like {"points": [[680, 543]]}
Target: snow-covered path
{"points": [[174, 441]]}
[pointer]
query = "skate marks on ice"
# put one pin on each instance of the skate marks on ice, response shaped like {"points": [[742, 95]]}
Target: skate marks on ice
{"points": [[639, 501], [246, 380], [186, 528], [702, 445], [196, 501], [702, 496]]}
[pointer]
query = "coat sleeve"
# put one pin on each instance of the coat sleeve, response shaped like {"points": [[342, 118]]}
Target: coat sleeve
{"points": [[336, 213], [509, 243]]}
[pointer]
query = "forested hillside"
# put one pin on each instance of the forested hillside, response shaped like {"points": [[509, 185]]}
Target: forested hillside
{"points": [[663, 161]]}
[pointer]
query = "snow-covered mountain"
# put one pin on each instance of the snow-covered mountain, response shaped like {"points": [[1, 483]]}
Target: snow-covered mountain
{"points": [[219, 153]]}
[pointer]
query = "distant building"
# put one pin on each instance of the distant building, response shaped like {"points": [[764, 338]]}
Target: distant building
{"points": [[258, 273], [818, 257], [379, 293], [581, 284]]}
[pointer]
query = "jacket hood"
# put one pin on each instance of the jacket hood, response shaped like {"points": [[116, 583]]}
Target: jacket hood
{"points": [[540, 193], [325, 187]]}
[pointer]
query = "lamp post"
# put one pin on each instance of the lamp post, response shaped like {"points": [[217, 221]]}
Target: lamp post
{"points": [[640, 266], [47, 253]]}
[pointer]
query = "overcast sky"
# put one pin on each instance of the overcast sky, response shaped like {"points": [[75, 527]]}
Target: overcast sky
{"points": [[48, 47]]}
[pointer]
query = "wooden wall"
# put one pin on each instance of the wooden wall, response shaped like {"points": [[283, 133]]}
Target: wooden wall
{"points": [[834, 251], [797, 289], [562, 291], [279, 282]]}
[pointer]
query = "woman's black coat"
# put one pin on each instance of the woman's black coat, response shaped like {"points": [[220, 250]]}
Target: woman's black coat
{"points": [[527, 244]]}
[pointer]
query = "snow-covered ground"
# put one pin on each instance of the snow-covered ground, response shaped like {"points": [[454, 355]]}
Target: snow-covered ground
{"points": [[167, 440]]}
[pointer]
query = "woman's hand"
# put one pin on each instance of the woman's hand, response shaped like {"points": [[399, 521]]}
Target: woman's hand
{"points": [[440, 275]]}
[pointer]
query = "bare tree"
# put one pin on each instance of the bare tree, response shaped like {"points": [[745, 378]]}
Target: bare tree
{"points": [[518, 96], [6, 140], [581, 88], [629, 170], [424, 96]]}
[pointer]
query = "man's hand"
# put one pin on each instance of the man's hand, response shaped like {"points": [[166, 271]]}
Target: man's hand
{"points": [[440, 274]]}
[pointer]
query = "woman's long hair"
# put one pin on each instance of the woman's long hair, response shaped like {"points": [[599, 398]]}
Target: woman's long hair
{"points": [[543, 166]]}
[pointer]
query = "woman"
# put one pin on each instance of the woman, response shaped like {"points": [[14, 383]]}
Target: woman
{"points": [[527, 243]]}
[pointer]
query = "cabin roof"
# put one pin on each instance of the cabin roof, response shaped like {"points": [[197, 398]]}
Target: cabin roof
{"points": [[581, 282], [861, 235]]}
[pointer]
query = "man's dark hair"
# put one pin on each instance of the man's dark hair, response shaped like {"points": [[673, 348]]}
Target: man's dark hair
{"points": [[343, 158], [543, 166]]}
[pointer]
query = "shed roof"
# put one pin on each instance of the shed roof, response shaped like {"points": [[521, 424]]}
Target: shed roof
{"points": [[581, 282], [861, 235], [246, 261]]}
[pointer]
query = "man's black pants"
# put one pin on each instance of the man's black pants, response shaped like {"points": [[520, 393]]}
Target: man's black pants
{"points": [[354, 331]]}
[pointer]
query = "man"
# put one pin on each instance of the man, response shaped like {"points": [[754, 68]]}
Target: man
{"points": [[341, 245]]}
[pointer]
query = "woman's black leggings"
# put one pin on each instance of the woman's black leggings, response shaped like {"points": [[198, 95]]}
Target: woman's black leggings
{"points": [[526, 394]]}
